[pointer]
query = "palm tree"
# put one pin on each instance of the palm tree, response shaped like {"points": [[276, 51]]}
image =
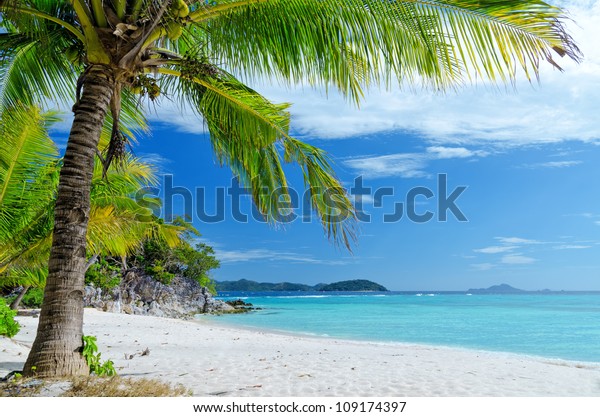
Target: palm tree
{"points": [[108, 51]]}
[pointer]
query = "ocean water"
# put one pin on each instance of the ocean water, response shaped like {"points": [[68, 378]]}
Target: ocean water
{"points": [[565, 326]]}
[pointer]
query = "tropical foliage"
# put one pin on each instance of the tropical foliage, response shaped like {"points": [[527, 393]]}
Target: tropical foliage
{"points": [[102, 54], [28, 181], [164, 262], [93, 358], [8, 326], [29, 166]]}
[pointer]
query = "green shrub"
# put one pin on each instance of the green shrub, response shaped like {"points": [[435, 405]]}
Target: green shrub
{"points": [[8, 326], [33, 298], [163, 262], [103, 275], [195, 263], [160, 273]]}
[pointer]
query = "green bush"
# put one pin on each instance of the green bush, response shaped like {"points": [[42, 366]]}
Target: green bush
{"points": [[33, 298], [103, 275], [195, 263], [160, 273], [8, 326], [162, 262]]}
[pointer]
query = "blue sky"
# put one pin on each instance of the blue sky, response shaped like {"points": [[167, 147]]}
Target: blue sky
{"points": [[529, 159]]}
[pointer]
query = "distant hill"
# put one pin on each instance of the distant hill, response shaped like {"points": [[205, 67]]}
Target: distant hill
{"points": [[354, 285], [496, 289], [247, 285]]}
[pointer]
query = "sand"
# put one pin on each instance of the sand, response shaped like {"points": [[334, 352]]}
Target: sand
{"points": [[215, 360]]}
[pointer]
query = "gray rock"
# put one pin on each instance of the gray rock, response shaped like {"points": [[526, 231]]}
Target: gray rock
{"points": [[141, 294]]}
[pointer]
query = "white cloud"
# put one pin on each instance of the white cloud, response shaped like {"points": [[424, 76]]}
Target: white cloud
{"points": [[364, 198], [232, 256], [486, 266], [495, 249], [517, 241], [591, 216], [552, 164], [588, 215], [506, 250], [408, 165], [156, 160], [517, 259], [562, 247], [445, 152], [182, 117]]}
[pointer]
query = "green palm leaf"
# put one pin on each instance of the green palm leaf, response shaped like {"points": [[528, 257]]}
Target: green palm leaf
{"points": [[27, 277], [35, 69], [27, 157], [439, 42]]}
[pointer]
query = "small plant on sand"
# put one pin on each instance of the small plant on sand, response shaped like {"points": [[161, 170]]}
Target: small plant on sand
{"points": [[92, 357], [8, 326]]}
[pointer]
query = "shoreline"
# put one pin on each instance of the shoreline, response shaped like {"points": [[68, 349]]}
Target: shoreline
{"points": [[291, 333], [218, 359]]}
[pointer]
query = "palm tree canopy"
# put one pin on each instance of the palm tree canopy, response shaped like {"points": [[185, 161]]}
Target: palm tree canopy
{"points": [[191, 49]]}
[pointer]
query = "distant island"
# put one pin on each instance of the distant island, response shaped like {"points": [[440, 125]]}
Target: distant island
{"points": [[355, 285], [496, 289]]}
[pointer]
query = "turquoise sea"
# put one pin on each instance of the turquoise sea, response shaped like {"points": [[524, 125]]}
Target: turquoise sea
{"points": [[558, 325]]}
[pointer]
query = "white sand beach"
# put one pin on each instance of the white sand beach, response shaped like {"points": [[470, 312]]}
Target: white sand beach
{"points": [[215, 360]]}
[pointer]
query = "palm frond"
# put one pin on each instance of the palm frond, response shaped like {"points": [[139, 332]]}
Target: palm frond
{"points": [[112, 232], [440, 42], [26, 276], [328, 197], [250, 135], [34, 70], [27, 159]]}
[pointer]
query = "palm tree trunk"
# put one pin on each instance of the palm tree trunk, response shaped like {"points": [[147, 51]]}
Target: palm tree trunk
{"points": [[90, 262], [17, 301], [57, 348]]}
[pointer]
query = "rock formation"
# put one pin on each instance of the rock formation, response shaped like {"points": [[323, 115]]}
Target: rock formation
{"points": [[139, 293]]}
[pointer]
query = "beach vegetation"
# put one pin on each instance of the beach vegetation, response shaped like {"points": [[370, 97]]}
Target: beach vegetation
{"points": [[26, 296], [163, 261], [8, 326], [104, 57], [103, 274], [33, 298], [29, 167], [93, 386], [119, 228], [124, 387], [93, 358], [159, 273]]}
